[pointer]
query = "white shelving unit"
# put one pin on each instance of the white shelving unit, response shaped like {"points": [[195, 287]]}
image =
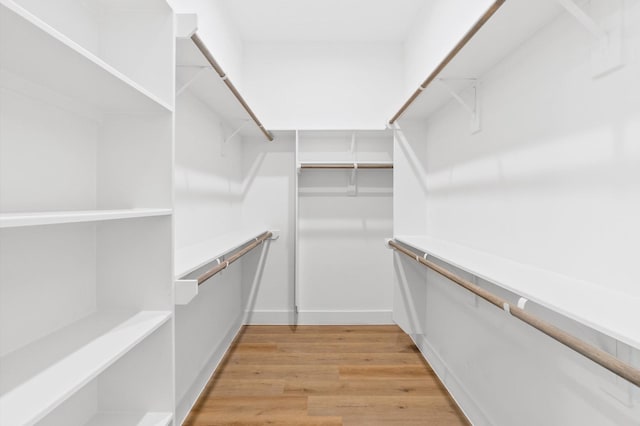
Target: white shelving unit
{"points": [[362, 199], [190, 259], [340, 152], [196, 74], [210, 187], [86, 168], [526, 231], [71, 70], [14, 220], [40, 376], [587, 303]]}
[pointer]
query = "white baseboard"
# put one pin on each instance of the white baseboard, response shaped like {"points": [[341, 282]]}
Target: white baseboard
{"points": [[320, 317], [187, 402], [456, 388]]}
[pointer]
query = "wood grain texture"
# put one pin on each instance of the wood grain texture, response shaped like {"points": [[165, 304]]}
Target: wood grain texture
{"points": [[324, 375]]}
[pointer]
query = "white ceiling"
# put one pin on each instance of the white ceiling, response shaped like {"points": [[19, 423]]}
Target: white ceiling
{"points": [[323, 20]]}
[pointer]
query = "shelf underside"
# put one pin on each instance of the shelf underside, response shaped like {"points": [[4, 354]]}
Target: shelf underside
{"points": [[38, 53]]}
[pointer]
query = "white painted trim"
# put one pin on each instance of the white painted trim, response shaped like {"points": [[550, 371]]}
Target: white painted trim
{"points": [[191, 396], [472, 411], [320, 317]]}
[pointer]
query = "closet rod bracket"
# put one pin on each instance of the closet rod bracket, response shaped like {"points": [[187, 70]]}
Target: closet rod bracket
{"points": [[472, 107], [193, 77], [604, 23], [238, 130]]}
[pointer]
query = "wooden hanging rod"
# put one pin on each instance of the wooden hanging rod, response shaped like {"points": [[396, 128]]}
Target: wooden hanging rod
{"points": [[346, 165], [596, 355], [218, 69], [228, 261], [457, 48]]}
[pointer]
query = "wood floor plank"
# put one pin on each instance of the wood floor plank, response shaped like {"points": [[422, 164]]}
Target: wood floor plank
{"points": [[365, 410], [362, 387], [346, 348], [214, 419], [282, 372], [385, 372], [324, 375], [354, 337], [357, 358], [247, 387]]}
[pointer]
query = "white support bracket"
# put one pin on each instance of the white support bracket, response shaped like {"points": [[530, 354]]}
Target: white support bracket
{"points": [[352, 189], [607, 52], [473, 107], [227, 139], [618, 388], [275, 234], [193, 77], [235, 132]]}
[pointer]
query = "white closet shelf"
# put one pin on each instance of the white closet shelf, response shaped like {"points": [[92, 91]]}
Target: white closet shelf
{"points": [[40, 376], [193, 257], [35, 51], [193, 72], [14, 220], [190, 258], [511, 25], [612, 313], [131, 419]]}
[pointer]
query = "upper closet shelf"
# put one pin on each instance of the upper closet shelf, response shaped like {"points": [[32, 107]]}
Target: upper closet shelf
{"points": [[37, 378], [37, 52], [504, 26], [612, 313], [190, 258], [14, 220], [198, 71]]}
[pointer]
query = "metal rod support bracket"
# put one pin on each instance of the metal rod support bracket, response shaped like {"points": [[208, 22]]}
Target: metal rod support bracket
{"points": [[473, 107], [235, 132], [191, 79], [607, 51]]}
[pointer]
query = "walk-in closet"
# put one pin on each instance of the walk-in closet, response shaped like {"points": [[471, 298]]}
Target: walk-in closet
{"points": [[304, 212]]}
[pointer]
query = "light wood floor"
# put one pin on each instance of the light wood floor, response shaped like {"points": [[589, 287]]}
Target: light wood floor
{"points": [[324, 375]]}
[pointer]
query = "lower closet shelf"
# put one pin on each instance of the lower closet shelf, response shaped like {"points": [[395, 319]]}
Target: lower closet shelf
{"points": [[131, 419], [37, 378]]}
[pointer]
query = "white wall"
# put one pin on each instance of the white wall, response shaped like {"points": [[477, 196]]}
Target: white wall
{"points": [[208, 179], [552, 180], [268, 201], [319, 85], [436, 30], [553, 177]]}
